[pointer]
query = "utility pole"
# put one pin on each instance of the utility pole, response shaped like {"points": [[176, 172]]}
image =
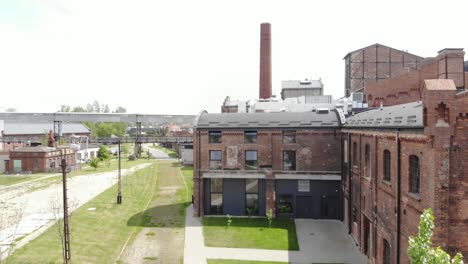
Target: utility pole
{"points": [[119, 192], [66, 230]]}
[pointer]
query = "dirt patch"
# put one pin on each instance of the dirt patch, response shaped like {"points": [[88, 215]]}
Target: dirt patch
{"points": [[161, 239]]}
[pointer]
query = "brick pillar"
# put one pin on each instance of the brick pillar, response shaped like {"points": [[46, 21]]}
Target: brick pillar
{"points": [[265, 61], [270, 192]]}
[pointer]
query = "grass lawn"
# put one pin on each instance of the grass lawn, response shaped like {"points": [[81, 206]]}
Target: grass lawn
{"points": [[6, 180], [170, 152], [97, 236], [187, 172], [233, 261], [250, 233]]}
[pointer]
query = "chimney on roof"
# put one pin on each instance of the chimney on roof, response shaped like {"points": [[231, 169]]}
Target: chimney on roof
{"points": [[265, 61]]}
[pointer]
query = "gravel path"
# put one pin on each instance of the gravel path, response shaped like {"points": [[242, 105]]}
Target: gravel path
{"points": [[25, 214]]}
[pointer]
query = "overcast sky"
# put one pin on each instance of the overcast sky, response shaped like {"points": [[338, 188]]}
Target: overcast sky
{"points": [[180, 57]]}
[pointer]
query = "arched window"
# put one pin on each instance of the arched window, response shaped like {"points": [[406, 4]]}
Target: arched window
{"points": [[367, 160], [414, 174], [387, 162]]}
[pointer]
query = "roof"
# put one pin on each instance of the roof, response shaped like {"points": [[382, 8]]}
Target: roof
{"points": [[34, 149], [268, 120], [398, 116], [303, 84], [33, 128], [377, 44], [440, 84]]}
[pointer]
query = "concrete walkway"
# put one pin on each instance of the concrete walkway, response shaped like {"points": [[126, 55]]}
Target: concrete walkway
{"points": [[320, 241]]}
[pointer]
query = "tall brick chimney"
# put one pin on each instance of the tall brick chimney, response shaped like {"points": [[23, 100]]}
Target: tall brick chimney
{"points": [[265, 61]]}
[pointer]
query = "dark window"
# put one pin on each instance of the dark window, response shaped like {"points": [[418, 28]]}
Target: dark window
{"points": [[251, 160], [216, 188], [387, 165], [354, 158], [215, 136], [289, 160], [251, 196], [414, 174], [289, 136], [250, 137], [285, 205], [216, 162], [367, 161], [354, 214], [386, 252]]}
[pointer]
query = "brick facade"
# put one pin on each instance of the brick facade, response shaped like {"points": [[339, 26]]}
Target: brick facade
{"points": [[39, 159]]}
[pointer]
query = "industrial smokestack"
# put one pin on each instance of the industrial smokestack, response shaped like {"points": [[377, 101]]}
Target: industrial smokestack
{"points": [[265, 61]]}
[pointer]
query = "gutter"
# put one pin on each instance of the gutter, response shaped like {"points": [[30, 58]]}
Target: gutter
{"points": [[350, 189], [199, 176]]}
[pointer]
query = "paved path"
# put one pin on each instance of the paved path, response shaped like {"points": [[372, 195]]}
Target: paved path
{"points": [[320, 241], [29, 214], [158, 154]]}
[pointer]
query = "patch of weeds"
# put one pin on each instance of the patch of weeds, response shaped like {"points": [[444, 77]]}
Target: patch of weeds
{"points": [[151, 234], [150, 258]]}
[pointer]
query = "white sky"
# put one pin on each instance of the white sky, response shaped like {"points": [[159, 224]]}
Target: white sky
{"points": [[179, 57]]}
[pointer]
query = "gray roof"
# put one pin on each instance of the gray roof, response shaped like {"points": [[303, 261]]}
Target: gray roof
{"points": [[41, 128], [268, 120], [34, 149], [398, 116], [307, 84]]}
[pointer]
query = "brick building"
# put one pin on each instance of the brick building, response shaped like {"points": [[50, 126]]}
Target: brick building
{"points": [[39, 159], [376, 63], [402, 159], [248, 163]]}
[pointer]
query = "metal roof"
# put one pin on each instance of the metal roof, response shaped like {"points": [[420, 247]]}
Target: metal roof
{"points": [[296, 84], [268, 120], [34, 149], [36, 128], [380, 45], [398, 116]]}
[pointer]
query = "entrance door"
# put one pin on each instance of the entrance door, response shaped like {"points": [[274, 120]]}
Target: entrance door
{"points": [[304, 207], [330, 207]]}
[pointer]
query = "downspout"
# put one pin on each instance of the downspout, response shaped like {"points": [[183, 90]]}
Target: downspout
{"points": [[398, 195], [350, 189], [199, 176]]}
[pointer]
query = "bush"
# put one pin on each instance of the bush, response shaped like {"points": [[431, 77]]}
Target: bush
{"points": [[103, 153], [131, 157], [94, 163]]}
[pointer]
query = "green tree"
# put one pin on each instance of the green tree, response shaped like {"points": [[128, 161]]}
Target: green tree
{"points": [[120, 109], [420, 248], [103, 153], [65, 108], [78, 109], [94, 163]]}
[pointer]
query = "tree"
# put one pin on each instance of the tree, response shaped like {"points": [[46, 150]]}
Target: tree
{"points": [[89, 108], [78, 109], [65, 108], [10, 110], [96, 106], [120, 109], [106, 109], [103, 153], [94, 163], [420, 248]]}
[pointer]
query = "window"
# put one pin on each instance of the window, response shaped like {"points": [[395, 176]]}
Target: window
{"points": [[289, 160], [251, 196], [216, 160], [285, 204], [303, 185], [215, 136], [289, 136], [367, 161], [216, 189], [354, 157], [250, 137], [414, 174], [17, 166], [35, 165], [387, 165], [386, 252], [251, 160], [345, 151]]}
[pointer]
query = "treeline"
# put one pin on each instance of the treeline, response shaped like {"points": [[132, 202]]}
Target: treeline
{"points": [[99, 129]]}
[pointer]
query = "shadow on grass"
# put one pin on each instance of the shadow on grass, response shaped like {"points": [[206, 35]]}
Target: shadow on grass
{"points": [[256, 227], [172, 216]]}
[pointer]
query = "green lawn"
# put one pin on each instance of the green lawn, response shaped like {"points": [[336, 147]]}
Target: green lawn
{"points": [[233, 261], [170, 152], [250, 233], [188, 175], [13, 179], [97, 236]]}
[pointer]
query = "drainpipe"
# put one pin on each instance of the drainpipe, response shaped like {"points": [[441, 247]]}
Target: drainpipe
{"points": [[198, 173], [350, 189], [398, 195]]}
